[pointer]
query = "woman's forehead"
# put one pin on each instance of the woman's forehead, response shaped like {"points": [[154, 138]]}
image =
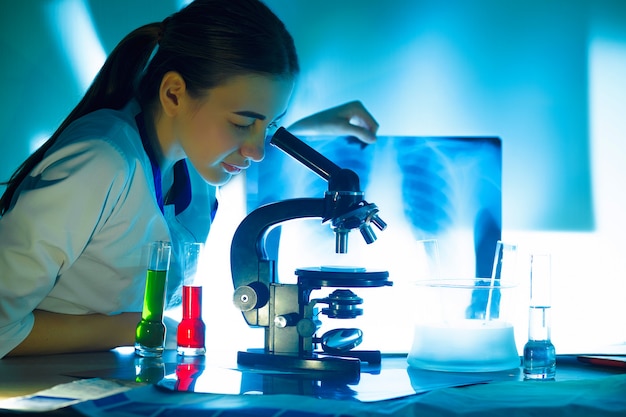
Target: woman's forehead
{"points": [[263, 95]]}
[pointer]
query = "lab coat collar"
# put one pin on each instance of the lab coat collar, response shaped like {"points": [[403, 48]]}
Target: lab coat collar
{"points": [[180, 195]]}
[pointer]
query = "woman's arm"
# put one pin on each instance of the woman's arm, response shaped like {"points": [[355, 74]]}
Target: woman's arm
{"points": [[64, 333], [53, 219]]}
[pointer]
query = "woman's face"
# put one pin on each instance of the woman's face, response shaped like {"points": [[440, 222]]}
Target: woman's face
{"points": [[223, 132]]}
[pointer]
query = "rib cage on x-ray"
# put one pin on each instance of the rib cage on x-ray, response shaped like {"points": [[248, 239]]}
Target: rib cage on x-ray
{"points": [[453, 182], [444, 188]]}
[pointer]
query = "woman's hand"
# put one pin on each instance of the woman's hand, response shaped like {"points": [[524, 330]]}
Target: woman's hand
{"points": [[349, 119]]}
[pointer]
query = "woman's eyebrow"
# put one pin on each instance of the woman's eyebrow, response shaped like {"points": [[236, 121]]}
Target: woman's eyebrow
{"points": [[254, 115]]}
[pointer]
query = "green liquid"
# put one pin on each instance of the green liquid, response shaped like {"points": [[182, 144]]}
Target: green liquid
{"points": [[149, 370], [150, 330]]}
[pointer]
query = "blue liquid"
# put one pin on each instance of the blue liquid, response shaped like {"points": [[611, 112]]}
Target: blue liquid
{"points": [[539, 360]]}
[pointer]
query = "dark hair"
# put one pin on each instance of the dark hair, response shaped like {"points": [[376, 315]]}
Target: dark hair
{"points": [[206, 42]]}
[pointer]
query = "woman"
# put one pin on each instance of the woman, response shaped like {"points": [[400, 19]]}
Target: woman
{"points": [[178, 108]]}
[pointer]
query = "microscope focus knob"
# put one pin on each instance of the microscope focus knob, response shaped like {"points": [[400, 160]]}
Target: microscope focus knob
{"points": [[306, 327], [251, 296], [286, 320]]}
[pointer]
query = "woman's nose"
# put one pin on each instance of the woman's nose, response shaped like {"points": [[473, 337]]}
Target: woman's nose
{"points": [[254, 149]]}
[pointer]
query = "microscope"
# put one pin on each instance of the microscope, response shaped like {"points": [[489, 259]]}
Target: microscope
{"points": [[287, 312]]}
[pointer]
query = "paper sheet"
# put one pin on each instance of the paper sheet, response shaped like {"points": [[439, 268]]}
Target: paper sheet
{"points": [[64, 395]]}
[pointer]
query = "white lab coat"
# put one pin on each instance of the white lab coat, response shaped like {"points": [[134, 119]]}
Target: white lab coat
{"points": [[74, 240]]}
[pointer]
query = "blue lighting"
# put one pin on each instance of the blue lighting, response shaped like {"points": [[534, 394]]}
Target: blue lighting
{"points": [[77, 37]]}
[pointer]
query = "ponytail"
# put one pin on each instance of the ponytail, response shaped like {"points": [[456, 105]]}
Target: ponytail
{"points": [[112, 88]]}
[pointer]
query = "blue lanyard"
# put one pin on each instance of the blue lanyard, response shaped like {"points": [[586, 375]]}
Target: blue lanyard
{"points": [[182, 184]]}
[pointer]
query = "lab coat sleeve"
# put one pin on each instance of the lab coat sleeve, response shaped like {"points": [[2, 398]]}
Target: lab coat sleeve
{"points": [[60, 205]]}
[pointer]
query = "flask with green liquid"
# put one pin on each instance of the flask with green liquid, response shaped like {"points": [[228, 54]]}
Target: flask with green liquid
{"points": [[150, 334]]}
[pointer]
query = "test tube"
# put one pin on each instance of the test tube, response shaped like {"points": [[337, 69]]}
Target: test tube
{"points": [[190, 336], [539, 360], [150, 333]]}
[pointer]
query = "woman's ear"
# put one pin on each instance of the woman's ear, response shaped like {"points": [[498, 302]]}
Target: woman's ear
{"points": [[171, 92]]}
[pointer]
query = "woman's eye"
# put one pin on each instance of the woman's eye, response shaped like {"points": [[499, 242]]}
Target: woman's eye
{"points": [[243, 123], [242, 127]]}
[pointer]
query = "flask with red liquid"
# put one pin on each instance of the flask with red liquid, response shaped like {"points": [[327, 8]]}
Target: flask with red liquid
{"points": [[191, 333]]}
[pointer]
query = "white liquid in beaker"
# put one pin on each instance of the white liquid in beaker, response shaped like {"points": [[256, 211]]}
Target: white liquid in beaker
{"points": [[464, 346]]}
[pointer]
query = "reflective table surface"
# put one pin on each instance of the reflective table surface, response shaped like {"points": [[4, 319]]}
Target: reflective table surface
{"points": [[392, 388]]}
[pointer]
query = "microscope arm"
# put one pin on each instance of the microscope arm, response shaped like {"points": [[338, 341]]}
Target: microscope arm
{"points": [[252, 271]]}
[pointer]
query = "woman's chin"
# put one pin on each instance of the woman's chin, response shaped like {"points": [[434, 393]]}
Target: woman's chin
{"points": [[215, 177], [218, 181]]}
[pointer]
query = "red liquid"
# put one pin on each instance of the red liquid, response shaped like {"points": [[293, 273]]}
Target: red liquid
{"points": [[191, 330], [187, 375]]}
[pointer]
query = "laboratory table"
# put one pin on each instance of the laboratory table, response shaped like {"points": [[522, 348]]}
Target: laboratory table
{"points": [[579, 389]]}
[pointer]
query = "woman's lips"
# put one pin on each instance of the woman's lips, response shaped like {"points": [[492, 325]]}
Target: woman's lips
{"points": [[232, 169]]}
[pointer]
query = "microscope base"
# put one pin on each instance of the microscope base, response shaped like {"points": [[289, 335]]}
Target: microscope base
{"points": [[322, 367]]}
